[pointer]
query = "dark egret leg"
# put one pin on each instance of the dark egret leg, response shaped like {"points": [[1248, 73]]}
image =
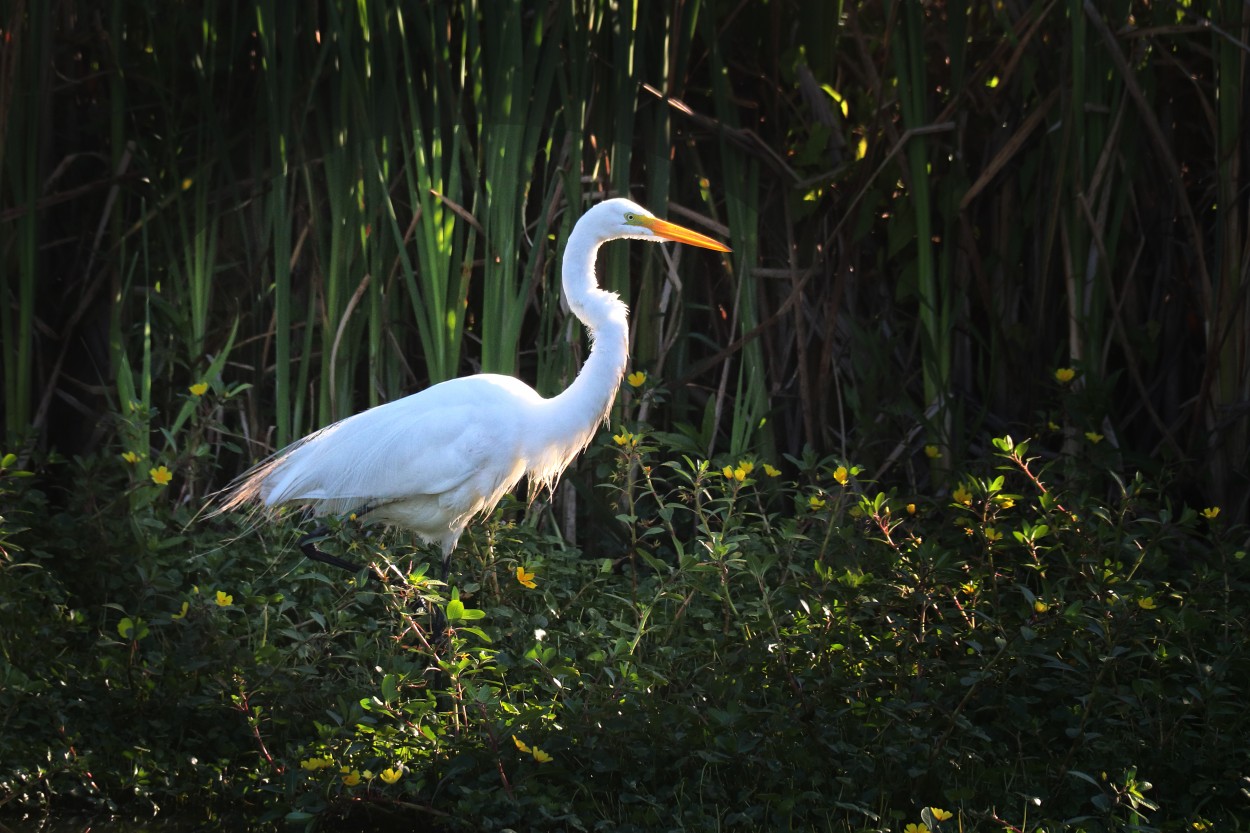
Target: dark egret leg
{"points": [[308, 545], [438, 619]]}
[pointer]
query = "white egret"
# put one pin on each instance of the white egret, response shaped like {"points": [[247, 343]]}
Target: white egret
{"points": [[433, 461]]}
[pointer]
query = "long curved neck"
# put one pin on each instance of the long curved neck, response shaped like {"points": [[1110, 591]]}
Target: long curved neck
{"points": [[581, 408]]}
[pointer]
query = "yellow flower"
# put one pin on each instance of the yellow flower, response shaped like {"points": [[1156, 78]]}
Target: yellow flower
{"points": [[314, 764], [1093, 436], [526, 578], [352, 778], [840, 474], [637, 378], [816, 503], [1147, 603], [916, 828], [1211, 513], [391, 775], [624, 438], [182, 614], [932, 452], [962, 495], [1004, 501], [199, 388], [747, 466], [130, 457], [770, 471], [992, 534], [1064, 375], [1039, 606], [911, 509], [967, 588], [939, 813], [224, 599], [734, 474], [161, 475], [539, 755]]}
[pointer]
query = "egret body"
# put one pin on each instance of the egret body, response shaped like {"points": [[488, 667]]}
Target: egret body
{"points": [[433, 461]]}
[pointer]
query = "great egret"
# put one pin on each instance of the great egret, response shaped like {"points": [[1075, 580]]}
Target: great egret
{"points": [[433, 461]]}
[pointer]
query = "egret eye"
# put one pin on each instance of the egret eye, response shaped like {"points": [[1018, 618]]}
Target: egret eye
{"points": [[630, 216]]}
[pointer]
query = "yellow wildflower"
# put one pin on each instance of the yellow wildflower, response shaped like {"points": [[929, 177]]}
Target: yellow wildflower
{"points": [[636, 379], [314, 764], [816, 503], [1211, 513], [199, 388], [916, 828], [939, 813], [911, 509], [352, 778], [770, 471], [161, 475], [526, 578], [624, 438], [840, 474], [224, 599], [130, 457], [747, 466], [932, 452], [1147, 603], [1064, 375], [962, 495], [391, 775], [1039, 606], [1093, 436], [1004, 501], [520, 744], [541, 756], [734, 474]]}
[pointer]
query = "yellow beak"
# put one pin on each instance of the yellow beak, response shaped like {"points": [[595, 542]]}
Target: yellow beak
{"points": [[672, 231]]}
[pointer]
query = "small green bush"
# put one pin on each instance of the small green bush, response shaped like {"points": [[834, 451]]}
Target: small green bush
{"points": [[752, 644]]}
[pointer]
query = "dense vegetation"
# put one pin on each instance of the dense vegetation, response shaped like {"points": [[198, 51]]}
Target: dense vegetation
{"points": [[806, 580]]}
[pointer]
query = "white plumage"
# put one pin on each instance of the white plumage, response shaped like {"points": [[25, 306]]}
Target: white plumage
{"points": [[433, 461]]}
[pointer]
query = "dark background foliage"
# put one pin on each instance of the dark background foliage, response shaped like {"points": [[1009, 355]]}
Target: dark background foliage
{"points": [[932, 208]]}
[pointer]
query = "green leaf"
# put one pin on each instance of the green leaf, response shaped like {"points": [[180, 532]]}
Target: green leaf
{"points": [[455, 610]]}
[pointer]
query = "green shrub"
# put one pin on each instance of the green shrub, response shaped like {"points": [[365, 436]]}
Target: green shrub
{"points": [[744, 649]]}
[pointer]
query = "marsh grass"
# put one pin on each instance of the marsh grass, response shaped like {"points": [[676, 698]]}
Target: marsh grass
{"points": [[927, 204]]}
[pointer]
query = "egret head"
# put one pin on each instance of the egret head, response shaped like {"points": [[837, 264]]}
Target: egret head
{"points": [[617, 218]]}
